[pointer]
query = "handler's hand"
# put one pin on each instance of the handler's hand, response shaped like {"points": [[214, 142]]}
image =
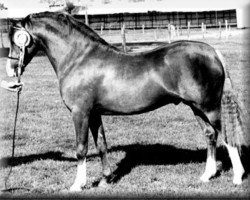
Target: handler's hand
{"points": [[12, 86]]}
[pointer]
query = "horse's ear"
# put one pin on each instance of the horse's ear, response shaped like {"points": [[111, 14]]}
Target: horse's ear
{"points": [[15, 22], [12, 22]]}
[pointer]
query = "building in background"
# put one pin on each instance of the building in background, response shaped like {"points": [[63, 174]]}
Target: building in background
{"points": [[243, 16], [111, 14]]}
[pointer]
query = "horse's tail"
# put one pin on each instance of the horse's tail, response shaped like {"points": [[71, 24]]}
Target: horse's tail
{"points": [[232, 116]]}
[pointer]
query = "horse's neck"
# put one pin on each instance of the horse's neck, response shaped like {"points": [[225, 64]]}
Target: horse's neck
{"points": [[61, 50]]}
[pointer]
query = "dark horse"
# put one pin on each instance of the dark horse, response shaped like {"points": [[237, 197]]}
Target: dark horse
{"points": [[97, 79]]}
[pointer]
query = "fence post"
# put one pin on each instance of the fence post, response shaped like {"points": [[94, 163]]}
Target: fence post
{"points": [[220, 29], [189, 30], [101, 29], [2, 38], [177, 31], [157, 32], [202, 29], [123, 38], [226, 26], [169, 33], [205, 29], [155, 35], [86, 18]]}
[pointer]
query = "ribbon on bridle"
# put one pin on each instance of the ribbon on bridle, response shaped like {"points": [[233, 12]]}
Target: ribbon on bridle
{"points": [[22, 39]]}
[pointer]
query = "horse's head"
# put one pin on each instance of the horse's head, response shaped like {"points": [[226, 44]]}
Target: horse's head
{"points": [[21, 43]]}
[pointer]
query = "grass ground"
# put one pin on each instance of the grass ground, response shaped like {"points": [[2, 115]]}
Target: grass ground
{"points": [[160, 153]]}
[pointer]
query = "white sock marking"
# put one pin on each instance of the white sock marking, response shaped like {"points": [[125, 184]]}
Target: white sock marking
{"points": [[210, 170], [237, 165], [81, 177]]}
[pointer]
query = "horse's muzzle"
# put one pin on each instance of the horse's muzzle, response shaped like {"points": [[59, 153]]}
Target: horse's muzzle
{"points": [[11, 72]]}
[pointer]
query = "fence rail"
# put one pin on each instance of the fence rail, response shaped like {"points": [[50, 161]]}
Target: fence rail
{"points": [[167, 34], [160, 19], [152, 20]]}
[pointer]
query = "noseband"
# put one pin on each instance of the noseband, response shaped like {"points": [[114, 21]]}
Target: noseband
{"points": [[22, 39]]}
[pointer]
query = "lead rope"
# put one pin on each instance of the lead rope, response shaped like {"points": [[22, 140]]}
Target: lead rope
{"points": [[20, 64], [13, 144]]}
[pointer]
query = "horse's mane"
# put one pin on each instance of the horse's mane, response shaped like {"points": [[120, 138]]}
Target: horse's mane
{"points": [[69, 22]]}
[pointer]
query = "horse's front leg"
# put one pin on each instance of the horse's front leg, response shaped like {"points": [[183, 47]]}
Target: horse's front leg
{"points": [[96, 127], [81, 123]]}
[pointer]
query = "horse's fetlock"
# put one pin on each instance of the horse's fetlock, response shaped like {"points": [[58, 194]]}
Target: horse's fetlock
{"points": [[210, 135], [107, 172], [81, 152]]}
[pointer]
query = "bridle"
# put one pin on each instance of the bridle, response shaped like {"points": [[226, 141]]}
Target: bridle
{"points": [[22, 39]]}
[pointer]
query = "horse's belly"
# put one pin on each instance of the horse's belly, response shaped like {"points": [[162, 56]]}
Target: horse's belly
{"points": [[128, 109], [134, 98]]}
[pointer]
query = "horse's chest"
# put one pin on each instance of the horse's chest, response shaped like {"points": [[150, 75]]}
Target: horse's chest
{"points": [[77, 88]]}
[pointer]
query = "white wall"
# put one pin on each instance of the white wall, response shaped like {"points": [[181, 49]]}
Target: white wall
{"points": [[243, 17]]}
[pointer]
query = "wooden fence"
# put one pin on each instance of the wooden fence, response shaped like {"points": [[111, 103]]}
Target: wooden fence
{"points": [[152, 20]]}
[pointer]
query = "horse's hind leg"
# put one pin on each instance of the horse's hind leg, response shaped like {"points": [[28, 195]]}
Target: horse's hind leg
{"points": [[212, 125], [211, 139], [96, 127], [236, 162]]}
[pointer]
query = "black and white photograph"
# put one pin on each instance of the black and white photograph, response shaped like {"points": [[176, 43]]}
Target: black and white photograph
{"points": [[124, 99]]}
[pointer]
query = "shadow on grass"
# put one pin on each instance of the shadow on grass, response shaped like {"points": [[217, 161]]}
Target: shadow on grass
{"points": [[139, 154], [57, 156], [158, 154]]}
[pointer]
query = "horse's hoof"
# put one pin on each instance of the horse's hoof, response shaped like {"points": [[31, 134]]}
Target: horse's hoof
{"points": [[75, 188], [204, 178], [103, 183], [207, 175], [237, 181]]}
